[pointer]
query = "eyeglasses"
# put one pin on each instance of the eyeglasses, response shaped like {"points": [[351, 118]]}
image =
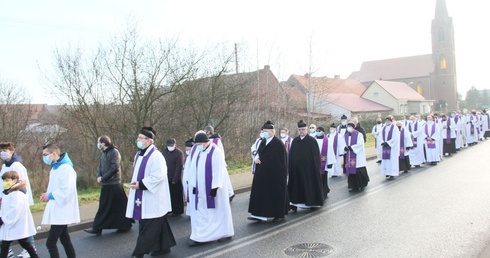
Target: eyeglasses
{"points": [[47, 154], [143, 138]]}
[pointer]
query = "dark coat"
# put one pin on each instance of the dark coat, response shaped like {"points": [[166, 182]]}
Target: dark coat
{"points": [[305, 184], [110, 166], [268, 194]]}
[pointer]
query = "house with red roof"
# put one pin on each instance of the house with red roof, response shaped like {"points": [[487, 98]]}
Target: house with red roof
{"points": [[333, 97], [399, 96]]}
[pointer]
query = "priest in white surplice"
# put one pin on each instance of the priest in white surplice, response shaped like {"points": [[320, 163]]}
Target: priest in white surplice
{"points": [[390, 144], [416, 154], [208, 194], [432, 137], [149, 198], [375, 132]]}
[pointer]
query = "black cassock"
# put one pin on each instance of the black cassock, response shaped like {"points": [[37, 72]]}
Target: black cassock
{"points": [[268, 194], [305, 183]]}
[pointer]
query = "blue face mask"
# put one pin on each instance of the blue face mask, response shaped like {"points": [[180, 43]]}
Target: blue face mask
{"points": [[47, 160], [99, 146], [318, 134], [266, 135], [200, 148], [139, 145]]}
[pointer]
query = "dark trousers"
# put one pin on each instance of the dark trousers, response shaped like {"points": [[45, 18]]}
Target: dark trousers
{"points": [[154, 235], [61, 232], [4, 251]]}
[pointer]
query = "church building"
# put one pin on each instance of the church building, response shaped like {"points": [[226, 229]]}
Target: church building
{"points": [[432, 75]]}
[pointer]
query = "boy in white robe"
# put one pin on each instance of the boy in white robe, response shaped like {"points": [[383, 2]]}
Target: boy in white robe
{"points": [[61, 200], [209, 200], [13, 162], [16, 221]]}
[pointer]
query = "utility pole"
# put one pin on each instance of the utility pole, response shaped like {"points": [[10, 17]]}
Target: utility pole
{"points": [[236, 58]]}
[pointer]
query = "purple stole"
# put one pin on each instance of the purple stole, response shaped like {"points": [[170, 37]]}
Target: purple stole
{"points": [[208, 171], [386, 152], [287, 146], [351, 158], [448, 131], [472, 127], [430, 144], [414, 139], [138, 196], [323, 154], [402, 143], [215, 140]]}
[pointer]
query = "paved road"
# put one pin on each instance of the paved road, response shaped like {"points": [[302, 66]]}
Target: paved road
{"points": [[440, 211]]}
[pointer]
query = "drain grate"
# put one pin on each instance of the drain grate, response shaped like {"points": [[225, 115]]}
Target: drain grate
{"points": [[309, 250]]}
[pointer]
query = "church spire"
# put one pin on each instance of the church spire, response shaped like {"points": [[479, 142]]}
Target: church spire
{"points": [[441, 9]]}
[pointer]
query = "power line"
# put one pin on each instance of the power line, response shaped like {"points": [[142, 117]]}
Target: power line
{"points": [[48, 25]]}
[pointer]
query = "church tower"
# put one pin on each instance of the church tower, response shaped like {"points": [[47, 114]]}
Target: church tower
{"points": [[444, 85]]}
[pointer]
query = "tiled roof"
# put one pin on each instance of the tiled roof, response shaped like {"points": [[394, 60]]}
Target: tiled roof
{"points": [[323, 85], [395, 68], [354, 103], [399, 90]]}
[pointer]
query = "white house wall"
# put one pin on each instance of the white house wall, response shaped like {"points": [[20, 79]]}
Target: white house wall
{"points": [[379, 95]]}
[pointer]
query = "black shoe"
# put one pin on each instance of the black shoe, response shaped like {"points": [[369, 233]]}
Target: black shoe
{"points": [[137, 256], [224, 239], [379, 161], [157, 253], [391, 178], [93, 231], [334, 176], [387, 176], [293, 208], [191, 242], [278, 219], [353, 190], [417, 166], [232, 197]]}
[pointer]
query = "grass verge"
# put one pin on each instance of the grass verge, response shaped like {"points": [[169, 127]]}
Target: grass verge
{"points": [[84, 196]]}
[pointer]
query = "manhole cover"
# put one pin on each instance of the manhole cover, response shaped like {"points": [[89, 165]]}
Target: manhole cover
{"points": [[309, 250]]}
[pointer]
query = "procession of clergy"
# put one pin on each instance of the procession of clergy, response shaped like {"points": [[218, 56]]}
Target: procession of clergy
{"points": [[288, 173]]}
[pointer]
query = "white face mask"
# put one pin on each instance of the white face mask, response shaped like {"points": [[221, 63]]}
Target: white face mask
{"points": [[188, 152], [4, 155], [350, 129], [312, 130], [171, 148], [283, 135], [344, 122], [332, 131]]}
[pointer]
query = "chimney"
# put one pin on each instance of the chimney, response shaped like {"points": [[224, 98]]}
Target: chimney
{"points": [[267, 67], [336, 76]]}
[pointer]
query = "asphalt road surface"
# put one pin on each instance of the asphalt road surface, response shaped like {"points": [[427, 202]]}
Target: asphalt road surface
{"points": [[433, 211]]}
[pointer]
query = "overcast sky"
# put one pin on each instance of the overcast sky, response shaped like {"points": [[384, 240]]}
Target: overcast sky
{"points": [[342, 33]]}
